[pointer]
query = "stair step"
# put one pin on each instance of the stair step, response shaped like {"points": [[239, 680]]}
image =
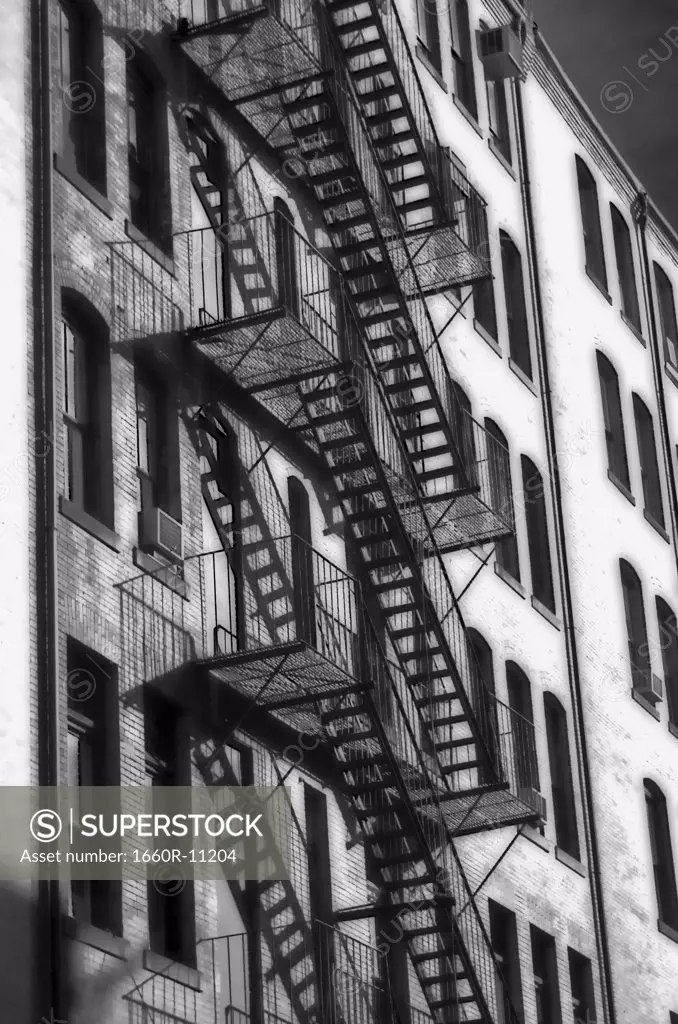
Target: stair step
{"points": [[448, 720], [410, 410], [401, 609], [381, 836], [453, 1001], [378, 292], [344, 5], [379, 318], [383, 562], [372, 760], [340, 199], [422, 958], [405, 184], [304, 131], [436, 474], [410, 631], [356, 492], [383, 68], [428, 652], [429, 453], [353, 222], [424, 428], [373, 786], [377, 95], [410, 384], [396, 162], [394, 140], [366, 462], [399, 858], [434, 698], [356, 248], [450, 769], [466, 741], [386, 116], [351, 52], [355, 26], [375, 538], [342, 442], [416, 204], [396, 584], [341, 739], [327, 177], [398, 362], [365, 270], [392, 885], [304, 103], [337, 713], [328, 418]]}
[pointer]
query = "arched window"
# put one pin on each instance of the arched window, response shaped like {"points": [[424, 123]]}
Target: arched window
{"points": [[462, 56], [667, 315], [525, 753], [562, 791], [81, 84], [636, 627], [86, 398], [428, 31], [668, 642], [617, 462], [149, 195], [516, 312], [505, 550], [462, 420], [286, 256], [623, 250], [485, 705], [537, 534], [662, 855], [649, 468], [590, 218], [303, 596]]}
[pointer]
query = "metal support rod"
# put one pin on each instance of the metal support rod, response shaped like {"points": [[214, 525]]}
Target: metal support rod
{"points": [[483, 563], [491, 871]]}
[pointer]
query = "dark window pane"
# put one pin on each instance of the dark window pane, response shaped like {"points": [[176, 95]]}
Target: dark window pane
{"points": [[649, 469], [668, 641], [505, 550], [613, 420], [562, 790], [537, 534], [662, 855], [667, 315], [635, 625], [545, 970], [462, 56], [590, 216], [516, 313], [625, 269], [429, 33], [484, 306], [581, 987]]}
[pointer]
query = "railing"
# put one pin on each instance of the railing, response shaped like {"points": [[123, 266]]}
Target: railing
{"points": [[310, 972], [258, 265]]}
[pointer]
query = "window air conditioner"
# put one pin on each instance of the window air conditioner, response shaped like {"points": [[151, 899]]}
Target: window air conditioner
{"points": [[533, 798], [162, 533], [501, 52], [652, 689]]}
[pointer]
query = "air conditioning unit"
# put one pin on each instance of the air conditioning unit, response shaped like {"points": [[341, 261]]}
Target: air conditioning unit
{"points": [[162, 533], [501, 52], [533, 798], [652, 689]]}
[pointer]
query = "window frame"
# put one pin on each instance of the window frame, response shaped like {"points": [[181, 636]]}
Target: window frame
{"points": [[86, 410], [661, 852], [537, 528], [517, 324], [544, 959], [592, 231], [649, 464], [506, 552], [562, 783], [148, 164], [613, 421], [83, 131], [636, 626], [504, 938], [626, 268], [668, 642], [160, 475], [462, 57], [666, 304], [428, 32], [581, 987]]}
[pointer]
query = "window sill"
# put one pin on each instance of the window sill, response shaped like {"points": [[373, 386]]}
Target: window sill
{"points": [[657, 526], [668, 931], [601, 287], [671, 373], [620, 486], [535, 836], [501, 158], [468, 115], [88, 523], [633, 329], [650, 708], [89, 191], [508, 579], [569, 861], [522, 376], [165, 574], [673, 729], [487, 337], [97, 938], [430, 67], [150, 247], [545, 612], [172, 969]]}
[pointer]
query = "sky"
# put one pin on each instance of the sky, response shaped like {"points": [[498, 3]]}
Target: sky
{"points": [[622, 56]]}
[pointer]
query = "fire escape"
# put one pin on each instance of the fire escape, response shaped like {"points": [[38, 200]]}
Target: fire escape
{"points": [[426, 752]]}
